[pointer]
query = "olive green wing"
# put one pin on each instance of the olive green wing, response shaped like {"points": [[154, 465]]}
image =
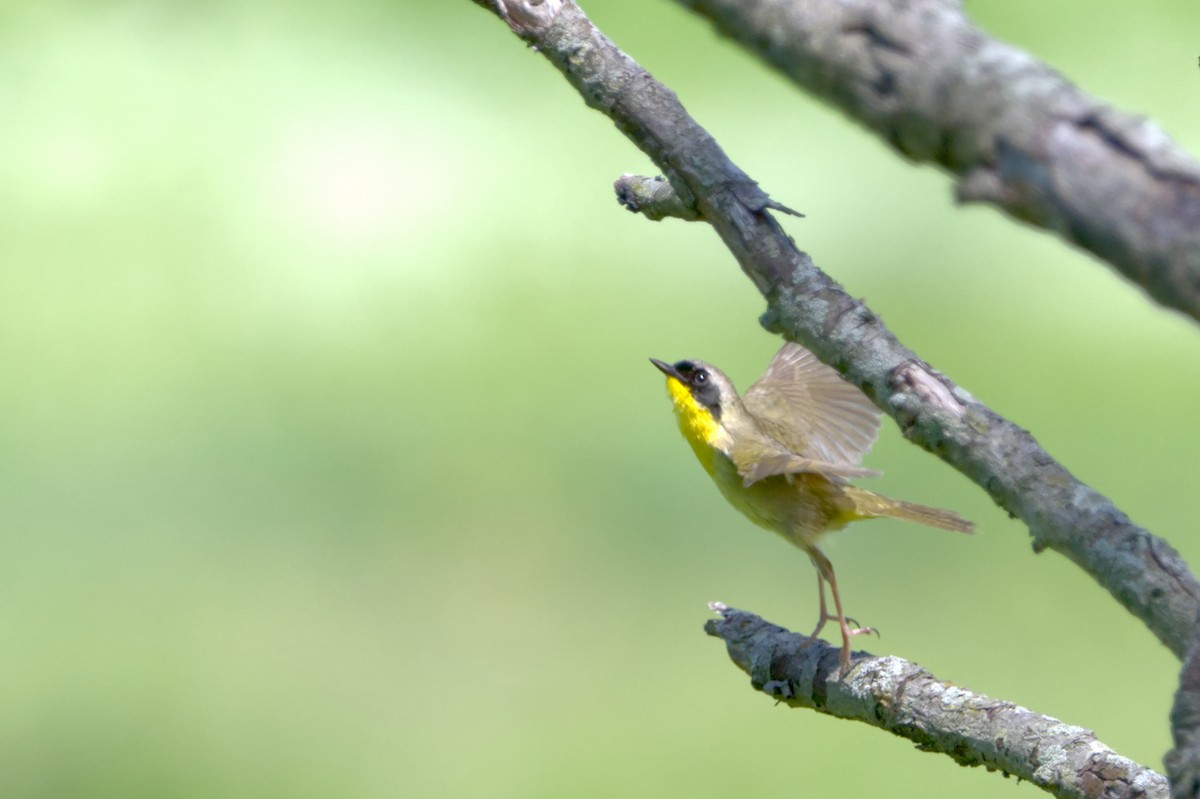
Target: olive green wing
{"points": [[822, 423]]}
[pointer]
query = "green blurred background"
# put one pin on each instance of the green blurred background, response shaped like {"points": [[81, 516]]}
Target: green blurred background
{"points": [[331, 464]]}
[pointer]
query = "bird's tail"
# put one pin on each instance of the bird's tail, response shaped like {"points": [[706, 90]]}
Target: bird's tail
{"points": [[868, 505]]}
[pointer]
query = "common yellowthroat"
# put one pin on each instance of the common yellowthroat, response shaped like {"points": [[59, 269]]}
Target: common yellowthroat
{"points": [[782, 455]]}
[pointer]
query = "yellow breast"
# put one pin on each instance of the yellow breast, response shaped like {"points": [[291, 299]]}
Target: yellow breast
{"points": [[695, 422]]}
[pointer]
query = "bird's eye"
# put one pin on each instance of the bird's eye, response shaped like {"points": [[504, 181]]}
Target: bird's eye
{"points": [[700, 378]]}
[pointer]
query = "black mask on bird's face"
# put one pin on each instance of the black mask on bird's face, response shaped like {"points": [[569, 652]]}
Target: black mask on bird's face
{"points": [[703, 387], [701, 379]]}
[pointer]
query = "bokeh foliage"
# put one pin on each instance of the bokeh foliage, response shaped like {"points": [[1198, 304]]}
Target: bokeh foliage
{"points": [[331, 463]]}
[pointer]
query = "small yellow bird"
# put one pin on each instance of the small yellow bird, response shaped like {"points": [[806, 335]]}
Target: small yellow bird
{"points": [[782, 455]]}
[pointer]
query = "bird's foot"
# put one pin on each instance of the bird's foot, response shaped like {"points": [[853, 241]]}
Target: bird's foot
{"points": [[852, 627], [856, 630], [849, 632]]}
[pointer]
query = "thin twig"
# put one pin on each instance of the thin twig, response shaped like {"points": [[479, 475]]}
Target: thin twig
{"points": [[905, 699], [1016, 133]]}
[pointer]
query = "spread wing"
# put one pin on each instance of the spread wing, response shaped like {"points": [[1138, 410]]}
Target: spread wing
{"points": [[826, 424], [756, 466]]}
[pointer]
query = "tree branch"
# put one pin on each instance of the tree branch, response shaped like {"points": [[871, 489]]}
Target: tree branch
{"points": [[1140, 570], [1015, 132], [905, 699], [1183, 762]]}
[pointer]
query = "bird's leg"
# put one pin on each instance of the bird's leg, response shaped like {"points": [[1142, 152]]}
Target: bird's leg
{"points": [[825, 614], [824, 617], [825, 574]]}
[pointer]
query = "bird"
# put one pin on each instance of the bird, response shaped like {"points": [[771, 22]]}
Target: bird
{"points": [[783, 455]]}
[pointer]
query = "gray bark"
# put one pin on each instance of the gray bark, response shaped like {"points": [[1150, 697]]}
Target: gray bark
{"points": [[1143, 572], [906, 700], [1015, 133], [805, 305]]}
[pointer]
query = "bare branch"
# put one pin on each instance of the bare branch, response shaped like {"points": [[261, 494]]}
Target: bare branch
{"points": [[905, 699], [1140, 570], [1016, 133], [1183, 762]]}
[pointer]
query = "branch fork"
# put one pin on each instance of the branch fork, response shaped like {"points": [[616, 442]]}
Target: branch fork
{"points": [[1143, 572]]}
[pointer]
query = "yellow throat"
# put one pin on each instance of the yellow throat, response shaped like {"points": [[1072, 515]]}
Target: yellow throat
{"points": [[695, 422]]}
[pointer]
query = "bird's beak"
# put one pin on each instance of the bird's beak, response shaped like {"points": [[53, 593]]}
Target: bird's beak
{"points": [[666, 368]]}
